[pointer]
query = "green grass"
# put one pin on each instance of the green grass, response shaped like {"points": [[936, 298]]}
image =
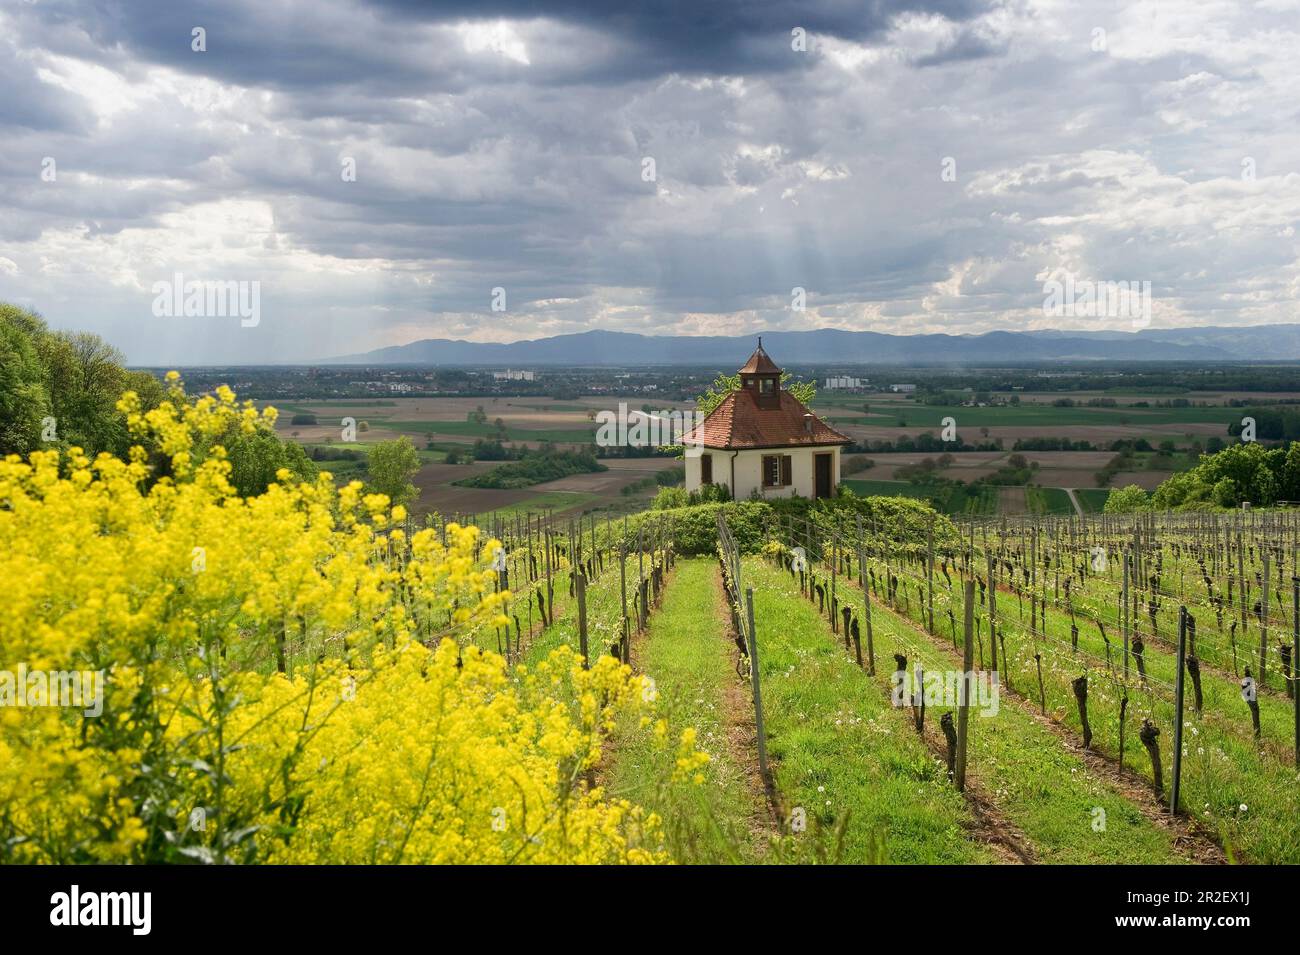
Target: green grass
{"points": [[840, 751], [686, 652]]}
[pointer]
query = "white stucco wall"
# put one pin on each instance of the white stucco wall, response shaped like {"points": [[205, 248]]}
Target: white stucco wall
{"points": [[749, 471]]}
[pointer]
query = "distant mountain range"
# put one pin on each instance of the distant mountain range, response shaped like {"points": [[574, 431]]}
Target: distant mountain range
{"points": [[828, 346]]}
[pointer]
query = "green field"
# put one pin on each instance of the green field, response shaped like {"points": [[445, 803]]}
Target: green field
{"points": [[1048, 500], [1092, 499]]}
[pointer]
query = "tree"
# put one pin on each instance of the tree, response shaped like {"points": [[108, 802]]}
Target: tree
{"points": [[256, 458], [392, 465], [24, 397], [1126, 500], [73, 379]]}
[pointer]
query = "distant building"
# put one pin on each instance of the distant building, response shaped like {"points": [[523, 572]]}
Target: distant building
{"points": [[844, 381], [512, 375], [902, 389], [761, 440]]}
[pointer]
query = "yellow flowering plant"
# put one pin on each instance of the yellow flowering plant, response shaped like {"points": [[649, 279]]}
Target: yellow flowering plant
{"points": [[288, 677]]}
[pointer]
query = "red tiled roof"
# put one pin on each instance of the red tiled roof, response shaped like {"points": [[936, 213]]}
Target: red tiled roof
{"points": [[738, 423], [759, 363]]}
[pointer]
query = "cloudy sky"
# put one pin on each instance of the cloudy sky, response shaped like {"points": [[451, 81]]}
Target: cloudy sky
{"points": [[663, 167]]}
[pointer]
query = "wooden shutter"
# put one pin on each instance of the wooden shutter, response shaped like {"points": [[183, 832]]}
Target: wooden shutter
{"points": [[706, 469], [786, 471]]}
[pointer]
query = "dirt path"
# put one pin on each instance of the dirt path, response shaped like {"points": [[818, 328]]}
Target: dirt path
{"points": [[741, 730], [1078, 508], [991, 826]]}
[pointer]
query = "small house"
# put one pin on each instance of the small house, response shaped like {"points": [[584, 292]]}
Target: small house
{"points": [[760, 439]]}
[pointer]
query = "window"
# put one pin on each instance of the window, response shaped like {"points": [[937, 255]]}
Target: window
{"points": [[766, 386], [706, 469], [777, 470]]}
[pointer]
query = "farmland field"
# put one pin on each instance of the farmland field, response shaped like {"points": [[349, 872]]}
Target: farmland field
{"points": [[436, 425]]}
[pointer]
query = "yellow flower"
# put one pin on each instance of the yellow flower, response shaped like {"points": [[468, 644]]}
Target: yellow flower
{"points": [[281, 644]]}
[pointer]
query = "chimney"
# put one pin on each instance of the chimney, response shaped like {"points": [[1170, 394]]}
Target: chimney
{"points": [[807, 423]]}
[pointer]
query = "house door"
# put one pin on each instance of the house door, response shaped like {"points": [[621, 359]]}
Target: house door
{"points": [[823, 475]]}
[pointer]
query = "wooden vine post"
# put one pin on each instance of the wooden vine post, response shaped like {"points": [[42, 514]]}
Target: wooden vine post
{"points": [[1174, 784], [993, 613], [580, 582], [1295, 662], [1263, 622], [866, 613], [831, 607], [963, 710], [929, 574], [622, 583], [758, 692]]}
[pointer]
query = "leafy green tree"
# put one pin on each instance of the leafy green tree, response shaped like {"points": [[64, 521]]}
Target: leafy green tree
{"points": [[670, 497], [1178, 491], [24, 396], [392, 465], [75, 378], [1290, 484], [256, 458], [1126, 500], [1246, 471], [1250, 467], [1225, 493]]}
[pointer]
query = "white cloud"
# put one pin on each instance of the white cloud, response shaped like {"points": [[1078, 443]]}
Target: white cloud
{"points": [[508, 152]]}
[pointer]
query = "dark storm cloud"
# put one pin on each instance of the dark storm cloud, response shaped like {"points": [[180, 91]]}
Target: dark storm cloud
{"points": [[320, 45], [732, 36]]}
